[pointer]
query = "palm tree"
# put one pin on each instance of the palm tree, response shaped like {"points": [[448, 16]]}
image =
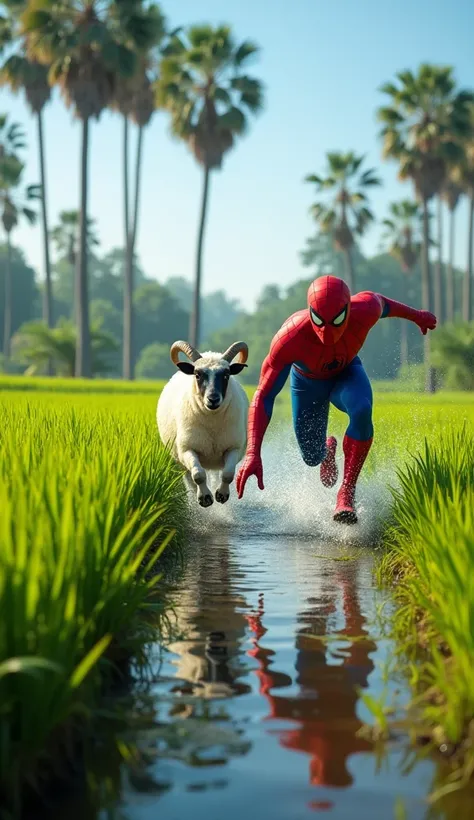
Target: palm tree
{"points": [[421, 130], [403, 236], [451, 194], [204, 87], [30, 76], [135, 100], [89, 44], [346, 214], [66, 235], [13, 206]]}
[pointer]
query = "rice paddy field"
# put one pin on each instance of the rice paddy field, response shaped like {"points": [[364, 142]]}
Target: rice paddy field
{"points": [[429, 564], [89, 498]]}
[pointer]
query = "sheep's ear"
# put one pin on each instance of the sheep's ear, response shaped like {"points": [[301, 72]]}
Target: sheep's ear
{"points": [[236, 368], [186, 367]]}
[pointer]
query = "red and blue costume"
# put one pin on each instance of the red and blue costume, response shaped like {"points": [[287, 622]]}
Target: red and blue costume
{"points": [[318, 347]]}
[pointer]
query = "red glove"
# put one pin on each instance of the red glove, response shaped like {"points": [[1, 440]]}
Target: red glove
{"points": [[252, 465], [426, 321]]}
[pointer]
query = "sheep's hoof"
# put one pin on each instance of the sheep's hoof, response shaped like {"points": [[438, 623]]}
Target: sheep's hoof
{"points": [[222, 497], [205, 500]]}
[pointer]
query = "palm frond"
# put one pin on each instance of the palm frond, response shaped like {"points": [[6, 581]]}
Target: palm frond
{"points": [[30, 215], [369, 178], [389, 116], [33, 192], [389, 88], [233, 120], [328, 221], [314, 179], [244, 52]]}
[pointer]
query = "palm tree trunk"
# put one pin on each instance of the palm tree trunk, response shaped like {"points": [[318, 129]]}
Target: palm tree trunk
{"points": [[83, 354], [129, 285], [48, 287], [450, 300], [349, 265], [195, 323], [467, 290], [138, 171], [7, 313], [426, 294], [404, 327], [48, 290], [438, 285]]}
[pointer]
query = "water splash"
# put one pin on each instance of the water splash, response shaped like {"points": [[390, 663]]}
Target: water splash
{"points": [[294, 502]]}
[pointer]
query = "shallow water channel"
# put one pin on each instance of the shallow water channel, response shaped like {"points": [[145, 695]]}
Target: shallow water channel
{"points": [[258, 696]]}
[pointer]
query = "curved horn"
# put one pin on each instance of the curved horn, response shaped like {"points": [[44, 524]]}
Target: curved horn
{"points": [[234, 349], [186, 348]]}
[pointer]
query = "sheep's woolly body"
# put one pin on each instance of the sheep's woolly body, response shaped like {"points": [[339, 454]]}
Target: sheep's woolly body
{"points": [[184, 424]]}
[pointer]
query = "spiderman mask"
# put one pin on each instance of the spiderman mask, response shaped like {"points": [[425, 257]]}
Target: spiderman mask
{"points": [[329, 302]]}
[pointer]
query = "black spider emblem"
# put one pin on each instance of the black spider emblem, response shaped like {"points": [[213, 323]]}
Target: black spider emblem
{"points": [[336, 364]]}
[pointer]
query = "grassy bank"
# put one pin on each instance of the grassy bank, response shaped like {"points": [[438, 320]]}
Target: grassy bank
{"points": [[88, 497], [29, 384], [430, 559]]}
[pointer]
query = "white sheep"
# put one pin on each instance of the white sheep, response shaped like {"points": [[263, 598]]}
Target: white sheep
{"points": [[202, 414]]}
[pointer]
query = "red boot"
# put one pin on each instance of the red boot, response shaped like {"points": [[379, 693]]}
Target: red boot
{"points": [[328, 471], [355, 453]]}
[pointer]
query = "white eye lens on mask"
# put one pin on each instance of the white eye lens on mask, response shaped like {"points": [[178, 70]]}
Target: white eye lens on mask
{"points": [[315, 318], [340, 318]]}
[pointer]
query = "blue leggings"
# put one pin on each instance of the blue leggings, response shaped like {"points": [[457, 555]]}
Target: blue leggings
{"points": [[350, 392]]}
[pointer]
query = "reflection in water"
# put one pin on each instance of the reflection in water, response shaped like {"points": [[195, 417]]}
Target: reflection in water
{"points": [[324, 708], [257, 706], [210, 617]]}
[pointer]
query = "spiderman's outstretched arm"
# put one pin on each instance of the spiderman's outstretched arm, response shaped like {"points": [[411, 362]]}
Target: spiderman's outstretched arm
{"points": [[274, 373], [423, 318], [272, 380]]}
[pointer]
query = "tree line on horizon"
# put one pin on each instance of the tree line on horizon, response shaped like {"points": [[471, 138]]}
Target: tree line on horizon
{"points": [[392, 350], [123, 55]]}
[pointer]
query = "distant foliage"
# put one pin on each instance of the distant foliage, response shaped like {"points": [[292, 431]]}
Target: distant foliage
{"points": [[26, 296], [35, 344], [218, 309], [453, 355], [154, 362]]}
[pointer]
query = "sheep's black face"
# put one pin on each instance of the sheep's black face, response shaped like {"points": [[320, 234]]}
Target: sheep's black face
{"points": [[212, 385], [211, 382]]}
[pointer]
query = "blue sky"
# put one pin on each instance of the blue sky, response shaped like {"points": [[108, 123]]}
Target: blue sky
{"points": [[322, 62]]}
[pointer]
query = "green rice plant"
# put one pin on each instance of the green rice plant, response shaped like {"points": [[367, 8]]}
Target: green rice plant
{"points": [[88, 498], [431, 556]]}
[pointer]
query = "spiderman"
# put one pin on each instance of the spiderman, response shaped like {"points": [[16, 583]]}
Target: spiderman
{"points": [[319, 348]]}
